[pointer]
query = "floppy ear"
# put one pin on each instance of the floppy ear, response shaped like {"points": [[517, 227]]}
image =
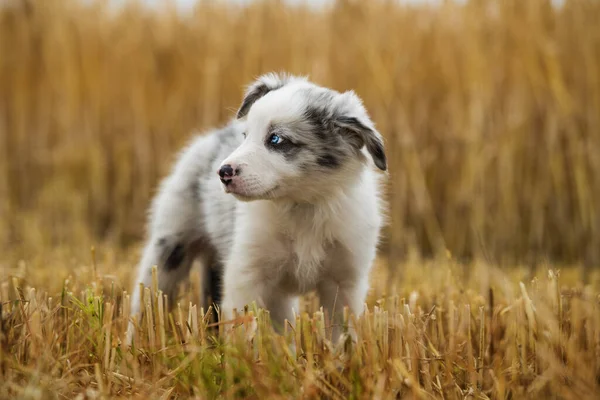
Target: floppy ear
{"points": [[362, 135], [261, 87], [351, 117]]}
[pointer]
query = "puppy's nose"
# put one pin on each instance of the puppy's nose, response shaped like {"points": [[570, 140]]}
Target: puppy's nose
{"points": [[226, 171]]}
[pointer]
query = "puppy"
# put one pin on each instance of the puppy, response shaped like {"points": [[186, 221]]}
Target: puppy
{"points": [[283, 200]]}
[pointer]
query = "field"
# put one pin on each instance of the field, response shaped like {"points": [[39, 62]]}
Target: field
{"points": [[487, 284]]}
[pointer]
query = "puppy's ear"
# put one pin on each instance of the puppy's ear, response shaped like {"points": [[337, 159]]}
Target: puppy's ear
{"points": [[361, 135], [261, 87], [359, 129]]}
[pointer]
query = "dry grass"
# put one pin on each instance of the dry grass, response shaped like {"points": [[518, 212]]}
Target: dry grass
{"points": [[461, 333], [491, 114]]}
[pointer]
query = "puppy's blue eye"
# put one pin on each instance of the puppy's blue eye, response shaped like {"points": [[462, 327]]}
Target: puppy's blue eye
{"points": [[275, 139]]}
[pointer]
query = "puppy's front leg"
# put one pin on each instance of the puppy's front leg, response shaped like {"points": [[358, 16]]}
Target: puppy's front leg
{"points": [[244, 282], [250, 280], [346, 275], [335, 294]]}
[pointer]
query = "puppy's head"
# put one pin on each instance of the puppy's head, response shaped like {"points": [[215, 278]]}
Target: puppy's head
{"points": [[301, 141]]}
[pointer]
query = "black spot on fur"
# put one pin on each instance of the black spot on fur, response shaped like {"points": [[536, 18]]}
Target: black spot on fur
{"points": [[251, 98], [260, 89], [328, 161], [215, 293], [175, 258], [375, 148], [215, 281]]}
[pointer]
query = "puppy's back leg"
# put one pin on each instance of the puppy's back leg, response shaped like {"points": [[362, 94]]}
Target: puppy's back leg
{"points": [[212, 284], [175, 231]]}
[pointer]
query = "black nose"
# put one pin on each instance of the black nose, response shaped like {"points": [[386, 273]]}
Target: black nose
{"points": [[226, 171]]}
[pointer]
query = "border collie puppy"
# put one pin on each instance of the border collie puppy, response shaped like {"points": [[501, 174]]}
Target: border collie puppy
{"points": [[283, 200]]}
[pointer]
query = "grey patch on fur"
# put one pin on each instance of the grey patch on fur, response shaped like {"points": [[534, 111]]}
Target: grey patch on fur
{"points": [[327, 121], [175, 257], [194, 189], [287, 148], [330, 147], [328, 161], [319, 116]]}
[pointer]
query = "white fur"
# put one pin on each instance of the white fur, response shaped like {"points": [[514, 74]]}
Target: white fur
{"points": [[278, 230]]}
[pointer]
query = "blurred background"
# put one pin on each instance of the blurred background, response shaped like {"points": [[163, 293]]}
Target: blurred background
{"points": [[490, 110]]}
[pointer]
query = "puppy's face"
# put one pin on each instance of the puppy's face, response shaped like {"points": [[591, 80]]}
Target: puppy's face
{"points": [[301, 141]]}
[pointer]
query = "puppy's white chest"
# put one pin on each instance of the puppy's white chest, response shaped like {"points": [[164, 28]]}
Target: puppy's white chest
{"points": [[307, 243]]}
